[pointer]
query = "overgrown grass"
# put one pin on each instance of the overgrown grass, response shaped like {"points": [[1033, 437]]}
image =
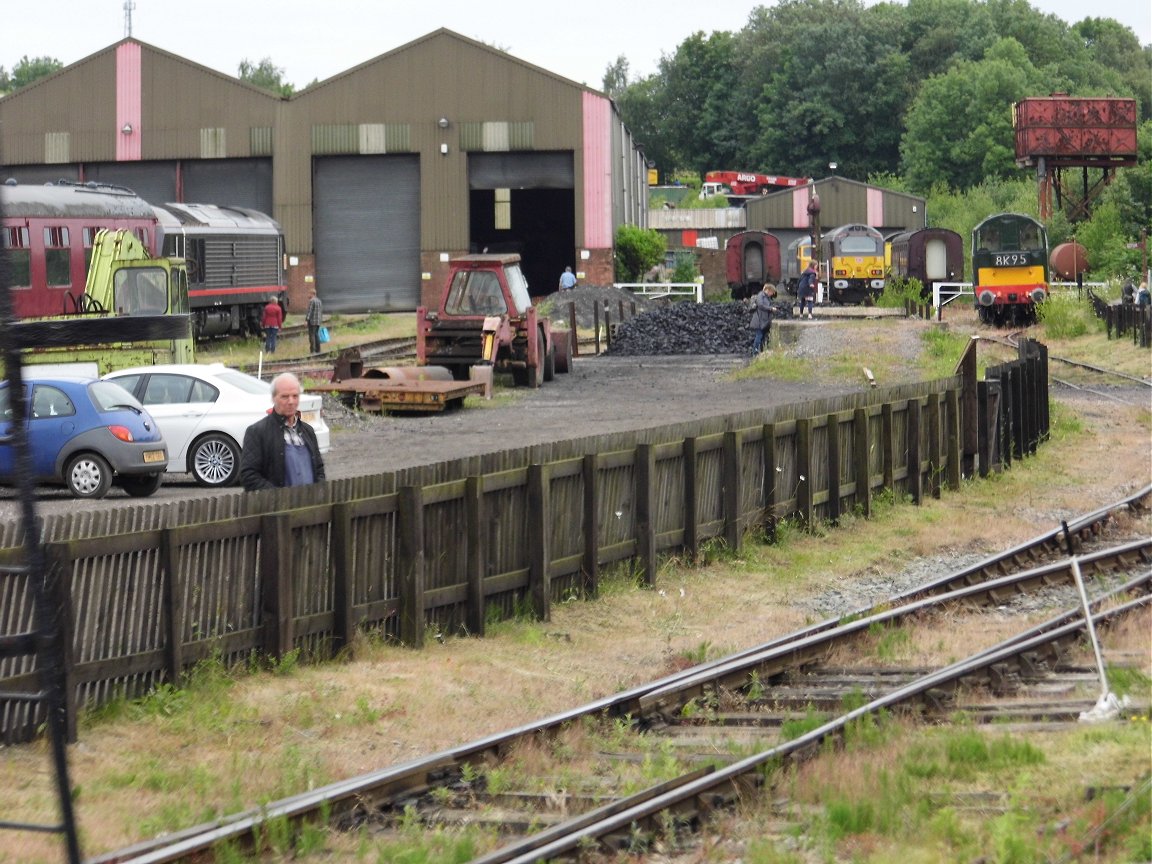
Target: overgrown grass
{"points": [[1064, 316], [919, 795]]}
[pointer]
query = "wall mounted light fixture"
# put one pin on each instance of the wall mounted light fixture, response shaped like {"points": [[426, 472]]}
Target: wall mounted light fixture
{"points": [[126, 129], [444, 149], [442, 122]]}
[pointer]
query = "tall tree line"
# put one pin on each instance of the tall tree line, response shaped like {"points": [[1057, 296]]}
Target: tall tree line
{"points": [[922, 92]]}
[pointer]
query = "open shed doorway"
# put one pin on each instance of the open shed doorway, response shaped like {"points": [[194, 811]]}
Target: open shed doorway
{"points": [[541, 229], [525, 203]]}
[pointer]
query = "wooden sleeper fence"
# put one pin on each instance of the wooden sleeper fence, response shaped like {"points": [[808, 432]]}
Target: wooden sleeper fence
{"points": [[148, 592]]}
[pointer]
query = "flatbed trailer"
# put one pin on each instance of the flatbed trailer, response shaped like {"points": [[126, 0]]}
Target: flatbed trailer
{"points": [[404, 392]]}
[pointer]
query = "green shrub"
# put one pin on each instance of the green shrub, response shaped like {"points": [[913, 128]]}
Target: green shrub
{"points": [[638, 250], [1064, 316]]}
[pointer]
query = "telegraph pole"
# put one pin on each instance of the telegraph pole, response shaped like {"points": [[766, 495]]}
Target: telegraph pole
{"points": [[129, 5]]}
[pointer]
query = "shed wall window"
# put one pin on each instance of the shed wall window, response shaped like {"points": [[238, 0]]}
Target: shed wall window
{"points": [[16, 247], [57, 257], [503, 215]]}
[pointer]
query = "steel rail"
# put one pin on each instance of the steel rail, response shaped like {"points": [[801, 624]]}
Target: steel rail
{"points": [[345, 797], [723, 784]]}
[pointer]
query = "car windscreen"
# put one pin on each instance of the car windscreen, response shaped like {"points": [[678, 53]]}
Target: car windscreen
{"points": [[108, 396]]}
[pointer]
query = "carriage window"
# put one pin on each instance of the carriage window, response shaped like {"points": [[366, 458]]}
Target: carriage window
{"points": [[57, 257], [142, 236], [19, 256]]}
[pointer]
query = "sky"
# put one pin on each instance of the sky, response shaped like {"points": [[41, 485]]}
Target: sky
{"points": [[315, 39]]}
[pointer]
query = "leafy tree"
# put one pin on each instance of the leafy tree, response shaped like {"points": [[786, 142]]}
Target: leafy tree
{"points": [[638, 250], [1104, 239], [937, 33], [1115, 47], [266, 74], [28, 70], [641, 105], [959, 128], [615, 80], [836, 86], [698, 86]]}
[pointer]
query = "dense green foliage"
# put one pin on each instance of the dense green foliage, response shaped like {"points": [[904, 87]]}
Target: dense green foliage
{"points": [[637, 251], [267, 75], [26, 71], [917, 98], [925, 89]]}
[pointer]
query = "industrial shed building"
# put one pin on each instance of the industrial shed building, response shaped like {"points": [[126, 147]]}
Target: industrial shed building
{"points": [[842, 202], [378, 175]]}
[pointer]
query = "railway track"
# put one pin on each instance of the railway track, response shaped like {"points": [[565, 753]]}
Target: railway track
{"points": [[374, 353], [665, 755], [1012, 341]]}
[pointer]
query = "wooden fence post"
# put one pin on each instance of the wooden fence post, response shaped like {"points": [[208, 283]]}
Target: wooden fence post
{"points": [[952, 418], [343, 601], [804, 506], [58, 573], [861, 469], [276, 584], [969, 410], [645, 476], [590, 568], [888, 446], [539, 540], [771, 492], [410, 568], [572, 322], [914, 478], [733, 495], [832, 425], [691, 510], [596, 326], [475, 612], [173, 619], [934, 444]]}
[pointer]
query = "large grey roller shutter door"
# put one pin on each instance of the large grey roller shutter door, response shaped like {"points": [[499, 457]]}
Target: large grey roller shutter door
{"points": [[366, 232], [155, 182], [230, 183]]}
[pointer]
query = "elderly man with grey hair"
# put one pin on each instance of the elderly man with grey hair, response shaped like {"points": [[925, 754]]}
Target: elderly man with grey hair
{"points": [[281, 449]]}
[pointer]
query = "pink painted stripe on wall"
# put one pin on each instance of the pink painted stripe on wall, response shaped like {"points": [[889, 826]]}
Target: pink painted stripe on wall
{"points": [[800, 207], [128, 102], [875, 207], [597, 113]]}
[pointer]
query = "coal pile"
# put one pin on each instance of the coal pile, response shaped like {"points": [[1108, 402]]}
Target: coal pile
{"points": [[590, 300], [689, 328]]}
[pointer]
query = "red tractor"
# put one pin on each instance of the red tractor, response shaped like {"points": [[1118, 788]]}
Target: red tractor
{"points": [[485, 317]]}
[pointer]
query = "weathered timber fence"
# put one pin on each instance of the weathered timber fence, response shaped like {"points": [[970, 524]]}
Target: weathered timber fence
{"points": [[147, 592], [1126, 320]]}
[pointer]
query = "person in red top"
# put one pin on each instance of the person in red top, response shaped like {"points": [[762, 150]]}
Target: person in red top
{"points": [[272, 321]]}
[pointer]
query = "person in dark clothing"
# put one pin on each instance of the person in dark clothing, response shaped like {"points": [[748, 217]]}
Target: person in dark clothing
{"points": [[1128, 293], [806, 288], [314, 317], [761, 321], [281, 449]]}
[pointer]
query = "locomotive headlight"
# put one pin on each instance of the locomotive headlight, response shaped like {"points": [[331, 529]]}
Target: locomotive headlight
{"points": [[877, 284], [987, 298], [840, 283], [1039, 295]]}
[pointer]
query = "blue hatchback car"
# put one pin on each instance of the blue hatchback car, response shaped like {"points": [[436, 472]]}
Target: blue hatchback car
{"points": [[87, 434]]}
